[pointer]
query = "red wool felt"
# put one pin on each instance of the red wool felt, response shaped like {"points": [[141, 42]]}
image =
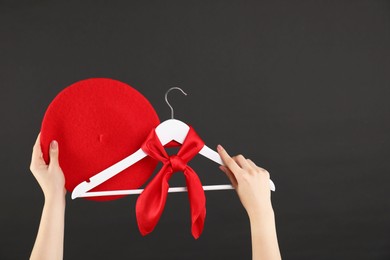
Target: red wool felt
{"points": [[98, 122]]}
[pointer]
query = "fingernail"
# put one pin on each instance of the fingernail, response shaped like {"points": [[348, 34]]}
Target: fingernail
{"points": [[219, 147], [53, 144]]}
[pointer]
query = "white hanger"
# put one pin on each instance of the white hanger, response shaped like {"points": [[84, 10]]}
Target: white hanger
{"points": [[169, 130]]}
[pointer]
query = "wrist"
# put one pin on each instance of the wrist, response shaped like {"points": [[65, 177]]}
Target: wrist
{"points": [[263, 211], [55, 200]]}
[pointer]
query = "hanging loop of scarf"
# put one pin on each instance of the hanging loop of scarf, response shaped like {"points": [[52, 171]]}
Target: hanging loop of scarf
{"points": [[151, 202]]}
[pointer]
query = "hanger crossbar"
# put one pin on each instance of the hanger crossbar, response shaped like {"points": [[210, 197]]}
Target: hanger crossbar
{"points": [[139, 191]]}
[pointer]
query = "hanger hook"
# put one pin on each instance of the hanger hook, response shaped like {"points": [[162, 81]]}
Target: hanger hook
{"points": [[166, 98]]}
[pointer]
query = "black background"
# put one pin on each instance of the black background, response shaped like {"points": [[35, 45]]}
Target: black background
{"points": [[300, 87]]}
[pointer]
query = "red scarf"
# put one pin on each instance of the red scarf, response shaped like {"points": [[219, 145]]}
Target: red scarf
{"points": [[151, 202]]}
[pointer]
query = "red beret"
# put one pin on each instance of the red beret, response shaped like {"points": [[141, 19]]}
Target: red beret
{"points": [[98, 122]]}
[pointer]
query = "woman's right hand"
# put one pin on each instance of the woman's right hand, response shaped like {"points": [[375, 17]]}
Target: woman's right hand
{"points": [[252, 185], [250, 181]]}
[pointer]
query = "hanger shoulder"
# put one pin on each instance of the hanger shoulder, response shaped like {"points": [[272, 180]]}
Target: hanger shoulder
{"points": [[172, 129], [211, 154], [106, 174]]}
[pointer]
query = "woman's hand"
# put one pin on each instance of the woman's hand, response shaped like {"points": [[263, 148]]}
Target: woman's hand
{"points": [[49, 244], [50, 177], [250, 181], [252, 185]]}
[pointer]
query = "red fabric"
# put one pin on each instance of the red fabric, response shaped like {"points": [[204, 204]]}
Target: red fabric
{"points": [[151, 202], [98, 122]]}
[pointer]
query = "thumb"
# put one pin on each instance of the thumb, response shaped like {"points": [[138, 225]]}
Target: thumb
{"points": [[53, 153]]}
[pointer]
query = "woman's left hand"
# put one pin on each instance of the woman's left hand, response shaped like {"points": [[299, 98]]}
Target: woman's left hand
{"points": [[49, 176]]}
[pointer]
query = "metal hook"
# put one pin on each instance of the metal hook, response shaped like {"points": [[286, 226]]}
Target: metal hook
{"points": [[166, 98]]}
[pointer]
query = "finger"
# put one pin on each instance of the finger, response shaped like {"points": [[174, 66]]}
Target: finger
{"points": [[230, 175], [264, 171], [251, 163], [37, 157], [258, 168], [242, 162], [228, 161], [53, 153]]}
